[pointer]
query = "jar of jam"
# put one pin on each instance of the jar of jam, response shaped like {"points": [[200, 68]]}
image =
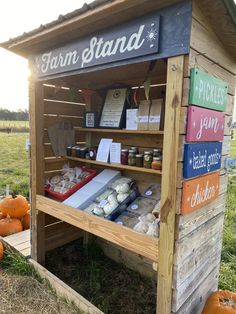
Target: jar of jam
{"points": [[135, 149], [77, 151], [69, 150], [92, 153], [157, 152], [82, 152], [157, 163], [139, 160], [147, 160], [73, 151], [131, 158], [124, 156]]}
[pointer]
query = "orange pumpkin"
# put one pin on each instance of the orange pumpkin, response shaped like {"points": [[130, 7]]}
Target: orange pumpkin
{"points": [[26, 220], [221, 302], [1, 251], [9, 226], [16, 206]]}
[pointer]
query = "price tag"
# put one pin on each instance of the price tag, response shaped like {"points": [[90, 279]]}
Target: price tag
{"points": [[148, 193], [103, 203], [134, 206]]}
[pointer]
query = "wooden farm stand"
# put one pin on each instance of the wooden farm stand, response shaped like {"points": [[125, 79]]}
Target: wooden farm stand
{"points": [[191, 34]]}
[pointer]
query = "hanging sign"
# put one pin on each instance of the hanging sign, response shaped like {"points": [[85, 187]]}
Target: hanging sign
{"points": [[145, 38], [201, 158], [130, 40], [199, 192], [204, 125], [207, 91]]}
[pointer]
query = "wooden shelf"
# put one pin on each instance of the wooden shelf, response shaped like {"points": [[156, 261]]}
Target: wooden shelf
{"points": [[139, 132], [136, 242], [117, 166]]}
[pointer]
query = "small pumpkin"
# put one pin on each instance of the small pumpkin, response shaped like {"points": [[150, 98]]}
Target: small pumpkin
{"points": [[221, 302], [26, 220], [1, 251], [16, 206], [10, 226]]}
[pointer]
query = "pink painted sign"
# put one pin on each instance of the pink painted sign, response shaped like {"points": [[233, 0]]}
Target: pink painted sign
{"points": [[204, 125]]}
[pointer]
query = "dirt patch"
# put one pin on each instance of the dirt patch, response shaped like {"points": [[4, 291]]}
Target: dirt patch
{"points": [[25, 295], [110, 286]]}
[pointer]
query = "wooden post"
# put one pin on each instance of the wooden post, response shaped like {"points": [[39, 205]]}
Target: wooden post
{"points": [[37, 170], [175, 70]]}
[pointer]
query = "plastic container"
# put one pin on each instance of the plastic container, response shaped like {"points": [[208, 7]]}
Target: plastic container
{"points": [[75, 188], [142, 206]]}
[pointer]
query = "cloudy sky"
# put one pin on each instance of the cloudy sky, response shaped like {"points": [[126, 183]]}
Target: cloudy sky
{"points": [[17, 17]]}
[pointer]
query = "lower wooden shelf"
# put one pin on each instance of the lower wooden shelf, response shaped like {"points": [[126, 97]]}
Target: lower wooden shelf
{"points": [[127, 238]]}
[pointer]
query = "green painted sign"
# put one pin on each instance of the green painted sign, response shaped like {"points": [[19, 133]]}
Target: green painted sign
{"points": [[207, 91]]}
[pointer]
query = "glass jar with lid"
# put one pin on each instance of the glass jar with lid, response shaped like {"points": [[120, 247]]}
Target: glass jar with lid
{"points": [[157, 152], [139, 160], [124, 156], [157, 163], [147, 160], [132, 158]]}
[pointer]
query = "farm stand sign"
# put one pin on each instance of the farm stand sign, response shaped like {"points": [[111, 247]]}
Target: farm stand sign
{"points": [[204, 125], [130, 40], [201, 158], [207, 91], [199, 191], [146, 38]]}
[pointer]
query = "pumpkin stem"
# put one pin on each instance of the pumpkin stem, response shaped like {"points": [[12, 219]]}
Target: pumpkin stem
{"points": [[13, 195]]}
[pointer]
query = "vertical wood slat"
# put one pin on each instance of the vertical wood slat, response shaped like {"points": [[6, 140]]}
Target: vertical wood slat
{"points": [[175, 69], [37, 170]]}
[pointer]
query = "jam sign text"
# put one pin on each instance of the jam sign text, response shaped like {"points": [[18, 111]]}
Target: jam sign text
{"points": [[204, 125]]}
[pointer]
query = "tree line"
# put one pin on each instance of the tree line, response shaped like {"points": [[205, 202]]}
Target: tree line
{"points": [[19, 115]]}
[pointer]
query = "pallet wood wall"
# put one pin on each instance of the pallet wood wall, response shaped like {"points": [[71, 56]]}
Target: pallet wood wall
{"points": [[198, 236]]}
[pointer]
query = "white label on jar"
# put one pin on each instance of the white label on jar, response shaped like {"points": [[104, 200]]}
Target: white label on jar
{"points": [[148, 193], [91, 153], [134, 206], [142, 119], [103, 203]]}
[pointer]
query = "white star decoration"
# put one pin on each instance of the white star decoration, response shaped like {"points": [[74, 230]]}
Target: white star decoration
{"points": [[190, 161], [151, 35]]}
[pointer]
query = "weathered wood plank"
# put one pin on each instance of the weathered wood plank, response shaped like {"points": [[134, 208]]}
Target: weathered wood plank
{"points": [[182, 271], [189, 244], [37, 169], [205, 41], [58, 93], [195, 303], [65, 291], [181, 294], [189, 223], [62, 108], [173, 101]]}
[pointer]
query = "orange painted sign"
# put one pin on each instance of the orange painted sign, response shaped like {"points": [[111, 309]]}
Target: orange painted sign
{"points": [[200, 191]]}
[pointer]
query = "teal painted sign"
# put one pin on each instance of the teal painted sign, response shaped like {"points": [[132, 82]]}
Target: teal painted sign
{"points": [[207, 91]]}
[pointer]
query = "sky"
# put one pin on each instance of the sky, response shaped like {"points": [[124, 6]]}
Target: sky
{"points": [[17, 17]]}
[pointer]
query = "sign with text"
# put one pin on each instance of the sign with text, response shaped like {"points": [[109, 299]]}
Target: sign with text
{"points": [[204, 125], [207, 91], [199, 192], [201, 158], [129, 40]]}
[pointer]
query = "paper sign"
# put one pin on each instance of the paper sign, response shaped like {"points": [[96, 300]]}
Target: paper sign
{"points": [[201, 158], [104, 149], [200, 191], [207, 91], [115, 153], [204, 125]]}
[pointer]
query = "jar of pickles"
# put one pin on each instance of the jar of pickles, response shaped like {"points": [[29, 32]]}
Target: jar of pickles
{"points": [[131, 158], [157, 163], [139, 160], [124, 156], [147, 160]]}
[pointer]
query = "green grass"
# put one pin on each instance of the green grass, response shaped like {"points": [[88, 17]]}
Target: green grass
{"points": [[14, 124], [14, 163]]}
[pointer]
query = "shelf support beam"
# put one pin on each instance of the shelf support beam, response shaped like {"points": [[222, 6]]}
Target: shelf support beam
{"points": [[37, 170], [175, 69]]}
